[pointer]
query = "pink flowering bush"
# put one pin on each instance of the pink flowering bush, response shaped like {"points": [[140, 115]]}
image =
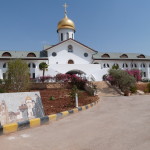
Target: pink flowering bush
{"points": [[135, 73], [72, 79]]}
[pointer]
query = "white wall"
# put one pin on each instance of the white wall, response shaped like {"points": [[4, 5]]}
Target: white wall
{"points": [[63, 55]]}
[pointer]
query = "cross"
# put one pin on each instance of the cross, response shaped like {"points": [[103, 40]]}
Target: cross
{"points": [[65, 6]]}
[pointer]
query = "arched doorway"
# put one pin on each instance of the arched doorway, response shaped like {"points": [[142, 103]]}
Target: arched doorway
{"points": [[77, 72]]}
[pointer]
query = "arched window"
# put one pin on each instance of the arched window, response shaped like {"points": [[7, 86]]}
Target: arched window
{"points": [[133, 65], [125, 65], [124, 56], [4, 65], [141, 56], [70, 61], [70, 48], [143, 65], [106, 65], [6, 54], [33, 65], [67, 35], [31, 55], [105, 56], [29, 65], [61, 36]]}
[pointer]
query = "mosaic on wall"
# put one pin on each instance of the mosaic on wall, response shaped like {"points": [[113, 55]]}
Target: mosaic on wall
{"points": [[17, 107]]}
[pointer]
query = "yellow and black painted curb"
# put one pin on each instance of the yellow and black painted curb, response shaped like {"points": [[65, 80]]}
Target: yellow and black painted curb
{"points": [[13, 127]]}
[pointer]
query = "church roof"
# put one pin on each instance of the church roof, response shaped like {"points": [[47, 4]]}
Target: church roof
{"points": [[73, 41], [41, 55], [120, 56]]}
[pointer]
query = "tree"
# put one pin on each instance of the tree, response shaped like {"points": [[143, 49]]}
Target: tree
{"points": [[17, 75], [121, 79], [43, 66], [115, 66]]}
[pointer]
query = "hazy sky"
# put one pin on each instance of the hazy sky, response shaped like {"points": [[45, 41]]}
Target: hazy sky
{"points": [[104, 25]]}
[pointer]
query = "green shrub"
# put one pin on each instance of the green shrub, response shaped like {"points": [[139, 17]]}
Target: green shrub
{"points": [[73, 92], [121, 79], [52, 98], [133, 89]]}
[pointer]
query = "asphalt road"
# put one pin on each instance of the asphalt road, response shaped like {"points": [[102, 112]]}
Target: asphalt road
{"points": [[115, 123]]}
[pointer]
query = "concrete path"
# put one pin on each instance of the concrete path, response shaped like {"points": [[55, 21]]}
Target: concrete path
{"points": [[105, 90], [115, 123]]}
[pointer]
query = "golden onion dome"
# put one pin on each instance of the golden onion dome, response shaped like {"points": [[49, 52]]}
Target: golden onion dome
{"points": [[66, 23]]}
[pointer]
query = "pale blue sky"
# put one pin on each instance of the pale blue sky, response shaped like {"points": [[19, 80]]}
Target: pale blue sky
{"points": [[104, 25]]}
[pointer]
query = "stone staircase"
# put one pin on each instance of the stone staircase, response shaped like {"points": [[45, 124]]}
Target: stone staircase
{"points": [[105, 90]]}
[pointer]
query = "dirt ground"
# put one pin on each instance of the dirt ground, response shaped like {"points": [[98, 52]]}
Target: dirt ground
{"points": [[62, 101]]}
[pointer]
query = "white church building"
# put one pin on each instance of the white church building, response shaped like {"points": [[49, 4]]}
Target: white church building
{"points": [[71, 56]]}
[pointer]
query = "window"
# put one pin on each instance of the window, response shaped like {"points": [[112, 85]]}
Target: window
{"points": [[33, 65], [143, 65], [105, 56], [6, 54], [67, 35], [61, 36], [144, 74], [106, 65], [72, 35], [125, 65], [54, 54], [33, 75], [29, 65], [133, 65], [141, 56], [124, 56], [4, 75], [70, 61], [31, 55], [70, 48], [85, 54], [4, 65]]}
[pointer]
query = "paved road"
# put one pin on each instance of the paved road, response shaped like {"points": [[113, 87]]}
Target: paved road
{"points": [[116, 123]]}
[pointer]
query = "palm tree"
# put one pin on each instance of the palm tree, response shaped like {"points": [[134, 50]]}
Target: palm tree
{"points": [[43, 66]]}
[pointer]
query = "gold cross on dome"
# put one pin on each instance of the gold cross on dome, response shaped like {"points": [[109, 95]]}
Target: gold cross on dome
{"points": [[65, 6]]}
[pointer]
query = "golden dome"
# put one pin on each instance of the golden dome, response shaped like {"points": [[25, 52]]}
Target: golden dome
{"points": [[66, 23]]}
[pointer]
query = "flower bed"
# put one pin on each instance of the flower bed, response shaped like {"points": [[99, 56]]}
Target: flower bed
{"points": [[58, 100]]}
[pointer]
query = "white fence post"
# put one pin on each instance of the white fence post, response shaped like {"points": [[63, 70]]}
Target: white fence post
{"points": [[76, 100]]}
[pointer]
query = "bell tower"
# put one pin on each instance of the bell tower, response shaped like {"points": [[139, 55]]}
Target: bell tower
{"points": [[65, 27]]}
